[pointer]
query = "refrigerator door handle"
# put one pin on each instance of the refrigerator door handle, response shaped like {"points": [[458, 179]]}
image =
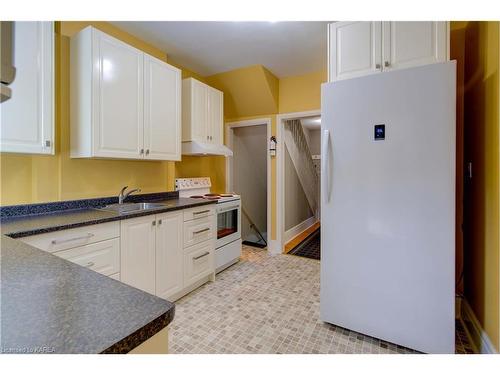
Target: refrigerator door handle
{"points": [[324, 163]]}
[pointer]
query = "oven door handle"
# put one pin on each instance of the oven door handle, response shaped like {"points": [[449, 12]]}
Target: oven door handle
{"points": [[226, 209]]}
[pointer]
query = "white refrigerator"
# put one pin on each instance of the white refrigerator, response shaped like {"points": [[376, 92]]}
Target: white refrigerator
{"points": [[388, 206]]}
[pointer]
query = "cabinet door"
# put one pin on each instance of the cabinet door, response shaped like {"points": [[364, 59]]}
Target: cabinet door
{"points": [[355, 49], [162, 110], [27, 118], [198, 261], [215, 116], [199, 111], [169, 254], [117, 98], [137, 263], [408, 44]]}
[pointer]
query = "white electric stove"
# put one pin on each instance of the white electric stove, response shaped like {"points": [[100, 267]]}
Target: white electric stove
{"points": [[228, 209]]}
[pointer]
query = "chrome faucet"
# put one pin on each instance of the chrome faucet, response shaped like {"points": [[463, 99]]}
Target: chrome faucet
{"points": [[124, 195]]}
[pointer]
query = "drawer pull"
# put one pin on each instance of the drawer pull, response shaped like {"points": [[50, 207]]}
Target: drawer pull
{"points": [[201, 231], [201, 212], [201, 256], [89, 264], [88, 235]]}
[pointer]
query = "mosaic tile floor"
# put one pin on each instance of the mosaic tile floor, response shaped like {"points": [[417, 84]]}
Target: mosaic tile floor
{"points": [[267, 304]]}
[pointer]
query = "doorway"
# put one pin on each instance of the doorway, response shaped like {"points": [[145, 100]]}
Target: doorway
{"points": [[298, 192], [248, 175]]}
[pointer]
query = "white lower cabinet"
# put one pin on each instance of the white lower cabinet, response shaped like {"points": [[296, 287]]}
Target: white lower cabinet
{"points": [[138, 237], [168, 254], [169, 278], [102, 257], [198, 261], [156, 258]]}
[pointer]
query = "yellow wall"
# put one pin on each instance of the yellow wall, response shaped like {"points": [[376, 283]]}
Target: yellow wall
{"points": [[248, 91], [301, 93], [481, 104]]}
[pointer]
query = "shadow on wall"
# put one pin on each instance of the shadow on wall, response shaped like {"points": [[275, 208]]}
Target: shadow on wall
{"points": [[481, 195]]}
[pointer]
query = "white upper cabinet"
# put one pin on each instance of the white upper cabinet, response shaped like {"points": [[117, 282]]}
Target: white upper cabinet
{"points": [[362, 48], [117, 97], [355, 49], [27, 118], [216, 118], [202, 112], [124, 103], [408, 44], [162, 110]]}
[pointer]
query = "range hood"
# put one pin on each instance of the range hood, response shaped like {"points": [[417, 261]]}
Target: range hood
{"points": [[201, 149]]}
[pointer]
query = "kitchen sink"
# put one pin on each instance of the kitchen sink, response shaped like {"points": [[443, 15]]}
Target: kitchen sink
{"points": [[126, 208]]}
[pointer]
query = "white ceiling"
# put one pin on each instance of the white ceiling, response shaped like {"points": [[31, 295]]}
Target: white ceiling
{"points": [[285, 48]]}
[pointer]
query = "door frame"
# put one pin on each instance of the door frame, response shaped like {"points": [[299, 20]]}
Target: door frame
{"points": [[280, 173], [229, 128]]}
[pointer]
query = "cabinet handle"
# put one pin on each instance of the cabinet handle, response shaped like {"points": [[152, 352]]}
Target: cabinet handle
{"points": [[387, 64], [201, 231], [147, 151], [201, 256], [159, 222], [142, 151], [88, 235], [208, 137], [377, 66], [89, 264], [153, 223], [201, 212]]}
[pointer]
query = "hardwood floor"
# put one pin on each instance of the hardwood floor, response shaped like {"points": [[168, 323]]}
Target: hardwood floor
{"points": [[300, 237]]}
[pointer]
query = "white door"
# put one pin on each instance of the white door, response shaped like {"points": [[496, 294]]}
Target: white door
{"points": [[408, 44], [138, 252], [215, 116], [162, 110], [199, 111], [27, 118], [169, 254], [118, 98], [355, 49]]}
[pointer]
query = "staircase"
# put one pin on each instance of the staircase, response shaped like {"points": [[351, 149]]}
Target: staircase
{"points": [[299, 151]]}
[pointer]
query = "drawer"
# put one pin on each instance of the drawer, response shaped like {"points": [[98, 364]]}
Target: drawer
{"points": [[69, 238], [102, 257], [199, 230], [198, 262], [199, 212]]}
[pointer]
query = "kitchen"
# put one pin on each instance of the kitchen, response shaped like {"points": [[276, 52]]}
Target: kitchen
{"points": [[92, 136]]}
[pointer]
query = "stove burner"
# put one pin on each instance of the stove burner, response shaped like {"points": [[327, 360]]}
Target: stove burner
{"points": [[212, 195], [196, 196], [226, 195]]}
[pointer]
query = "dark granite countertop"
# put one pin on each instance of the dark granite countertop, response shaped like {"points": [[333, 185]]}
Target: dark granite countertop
{"points": [[50, 305], [22, 226]]}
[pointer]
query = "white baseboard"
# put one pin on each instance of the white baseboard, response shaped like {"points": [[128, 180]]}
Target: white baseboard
{"points": [[273, 247], [299, 228], [478, 337]]}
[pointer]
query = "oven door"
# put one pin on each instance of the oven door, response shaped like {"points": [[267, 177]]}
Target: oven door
{"points": [[228, 222]]}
